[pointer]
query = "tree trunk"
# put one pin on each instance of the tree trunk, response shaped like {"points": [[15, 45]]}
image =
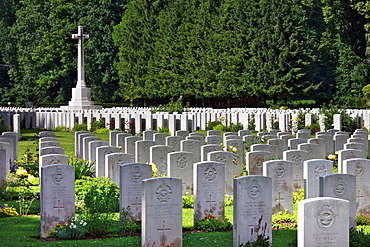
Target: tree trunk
{"points": [[275, 98]]}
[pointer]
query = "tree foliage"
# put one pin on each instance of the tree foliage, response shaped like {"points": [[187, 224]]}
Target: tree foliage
{"points": [[195, 49], [229, 48], [42, 55]]}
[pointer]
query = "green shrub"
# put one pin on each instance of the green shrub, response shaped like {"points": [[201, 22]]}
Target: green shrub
{"points": [[362, 219], [62, 128], [128, 224], [80, 127], [187, 201], [29, 161], [213, 124], [212, 224], [164, 130], [2, 127], [236, 127], [348, 123], [220, 127], [283, 220], [97, 124], [251, 124], [229, 200], [83, 168], [102, 131], [90, 193], [358, 238]]}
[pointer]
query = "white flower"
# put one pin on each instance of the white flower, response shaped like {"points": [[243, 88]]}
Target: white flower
{"points": [[74, 226]]}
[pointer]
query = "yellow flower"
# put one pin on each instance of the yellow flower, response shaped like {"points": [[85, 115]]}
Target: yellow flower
{"points": [[31, 178], [235, 149], [154, 168], [21, 172], [331, 157]]}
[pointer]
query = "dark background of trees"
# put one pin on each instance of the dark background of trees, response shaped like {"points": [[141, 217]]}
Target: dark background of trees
{"points": [[210, 52]]}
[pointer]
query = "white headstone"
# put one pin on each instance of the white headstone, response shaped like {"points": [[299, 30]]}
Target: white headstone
{"points": [[180, 165], [252, 204], [361, 169], [193, 146], [130, 184], [57, 196], [161, 212], [142, 151], [100, 164], [158, 156], [297, 157], [209, 189], [312, 170], [254, 161], [281, 172], [323, 221], [113, 162], [342, 186], [225, 158]]}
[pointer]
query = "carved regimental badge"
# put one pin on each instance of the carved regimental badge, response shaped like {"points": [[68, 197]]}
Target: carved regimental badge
{"points": [[254, 190], [297, 160], [163, 192], [58, 177], [182, 162], [259, 159], [221, 158], [325, 217], [359, 169], [340, 188], [210, 174], [136, 175], [320, 170], [279, 171]]}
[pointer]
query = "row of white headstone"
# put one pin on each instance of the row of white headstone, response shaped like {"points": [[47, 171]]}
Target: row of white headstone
{"points": [[278, 170], [322, 220], [194, 119]]}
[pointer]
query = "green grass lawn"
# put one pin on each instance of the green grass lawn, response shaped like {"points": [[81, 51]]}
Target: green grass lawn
{"points": [[25, 230]]}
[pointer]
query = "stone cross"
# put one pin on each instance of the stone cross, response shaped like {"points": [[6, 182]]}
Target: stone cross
{"points": [[210, 201], [163, 229], [81, 63]]}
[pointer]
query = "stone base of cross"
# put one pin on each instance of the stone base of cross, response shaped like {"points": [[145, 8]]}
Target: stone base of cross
{"points": [[81, 100]]}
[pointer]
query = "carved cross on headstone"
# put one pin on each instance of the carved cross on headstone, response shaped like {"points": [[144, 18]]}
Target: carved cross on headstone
{"points": [[358, 197], [297, 183], [58, 207], [253, 227], [279, 199], [163, 229], [81, 63], [210, 201], [136, 204]]}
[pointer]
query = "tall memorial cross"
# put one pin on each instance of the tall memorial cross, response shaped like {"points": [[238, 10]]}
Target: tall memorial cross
{"points": [[81, 94], [81, 62]]}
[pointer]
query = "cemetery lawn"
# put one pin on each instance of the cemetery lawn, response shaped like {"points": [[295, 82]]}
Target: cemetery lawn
{"points": [[30, 140], [25, 231]]}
